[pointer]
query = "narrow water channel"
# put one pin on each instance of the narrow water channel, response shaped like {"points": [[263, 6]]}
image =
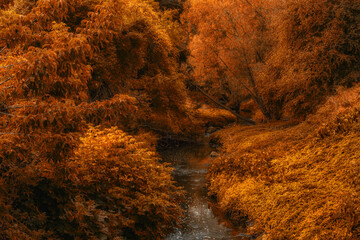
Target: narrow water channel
{"points": [[200, 222]]}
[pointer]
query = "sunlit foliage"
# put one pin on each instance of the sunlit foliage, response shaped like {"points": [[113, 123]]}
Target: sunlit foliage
{"points": [[122, 188], [317, 49], [229, 40], [65, 65], [84, 82], [286, 56], [295, 182]]}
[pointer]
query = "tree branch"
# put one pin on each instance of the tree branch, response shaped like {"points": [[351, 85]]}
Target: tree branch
{"points": [[248, 121], [3, 49], [234, 75], [20, 106], [18, 134], [6, 80], [7, 114]]}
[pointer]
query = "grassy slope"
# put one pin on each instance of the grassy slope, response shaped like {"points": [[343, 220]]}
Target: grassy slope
{"points": [[296, 181]]}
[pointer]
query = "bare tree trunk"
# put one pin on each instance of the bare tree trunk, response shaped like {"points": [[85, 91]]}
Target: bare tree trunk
{"points": [[238, 116]]}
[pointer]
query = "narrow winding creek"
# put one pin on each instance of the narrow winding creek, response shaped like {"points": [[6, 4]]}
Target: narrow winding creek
{"points": [[201, 220]]}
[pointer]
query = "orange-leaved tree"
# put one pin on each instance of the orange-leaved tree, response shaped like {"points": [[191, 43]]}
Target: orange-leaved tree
{"points": [[228, 44], [317, 49], [64, 65]]}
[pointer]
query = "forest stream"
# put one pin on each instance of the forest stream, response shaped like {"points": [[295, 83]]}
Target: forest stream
{"points": [[202, 220]]}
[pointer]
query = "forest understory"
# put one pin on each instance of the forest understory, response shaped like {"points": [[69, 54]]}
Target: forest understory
{"points": [[92, 90]]}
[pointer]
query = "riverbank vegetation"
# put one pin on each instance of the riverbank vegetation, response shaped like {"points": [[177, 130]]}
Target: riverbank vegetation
{"points": [[294, 181], [88, 87], [296, 61], [277, 58], [67, 66]]}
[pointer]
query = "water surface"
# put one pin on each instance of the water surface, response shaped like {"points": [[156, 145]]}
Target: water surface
{"points": [[200, 222]]}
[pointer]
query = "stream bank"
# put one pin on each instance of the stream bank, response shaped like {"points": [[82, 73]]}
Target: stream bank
{"points": [[292, 180]]}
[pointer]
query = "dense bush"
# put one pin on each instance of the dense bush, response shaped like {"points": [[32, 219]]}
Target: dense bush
{"points": [[65, 65], [112, 186], [121, 188]]}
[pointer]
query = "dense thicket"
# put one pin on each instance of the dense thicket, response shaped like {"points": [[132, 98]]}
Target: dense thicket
{"points": [[317, 49], [82, 82], [120, 188], [65, 65], [284, 55]]}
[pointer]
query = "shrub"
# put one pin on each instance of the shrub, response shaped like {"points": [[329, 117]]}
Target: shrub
{"points": [[121, 188]]}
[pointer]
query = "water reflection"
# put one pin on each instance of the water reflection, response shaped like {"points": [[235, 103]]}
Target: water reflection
{"points": [[190, 163]]}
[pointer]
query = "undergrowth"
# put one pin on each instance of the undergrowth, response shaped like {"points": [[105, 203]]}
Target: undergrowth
{"points": [[295, 181]]}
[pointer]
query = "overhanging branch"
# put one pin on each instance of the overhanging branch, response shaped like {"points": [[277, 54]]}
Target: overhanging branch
{"points": [[247, 121]]}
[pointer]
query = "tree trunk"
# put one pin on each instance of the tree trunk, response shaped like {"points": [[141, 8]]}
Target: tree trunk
{"points": [[238, 116]]}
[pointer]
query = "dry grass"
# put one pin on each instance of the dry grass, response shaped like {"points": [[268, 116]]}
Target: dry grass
{"points": [[295, 181]]}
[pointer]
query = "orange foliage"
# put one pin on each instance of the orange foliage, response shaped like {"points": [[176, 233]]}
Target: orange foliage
{"points": [[229, 40], [317, 49], [121, 187], [285, 55], [295, 182], [67, 64]]}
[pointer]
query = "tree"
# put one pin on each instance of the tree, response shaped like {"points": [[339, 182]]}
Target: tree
{"points": [[65, 65], [286, 56], [228, 44], [316, 50]]}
